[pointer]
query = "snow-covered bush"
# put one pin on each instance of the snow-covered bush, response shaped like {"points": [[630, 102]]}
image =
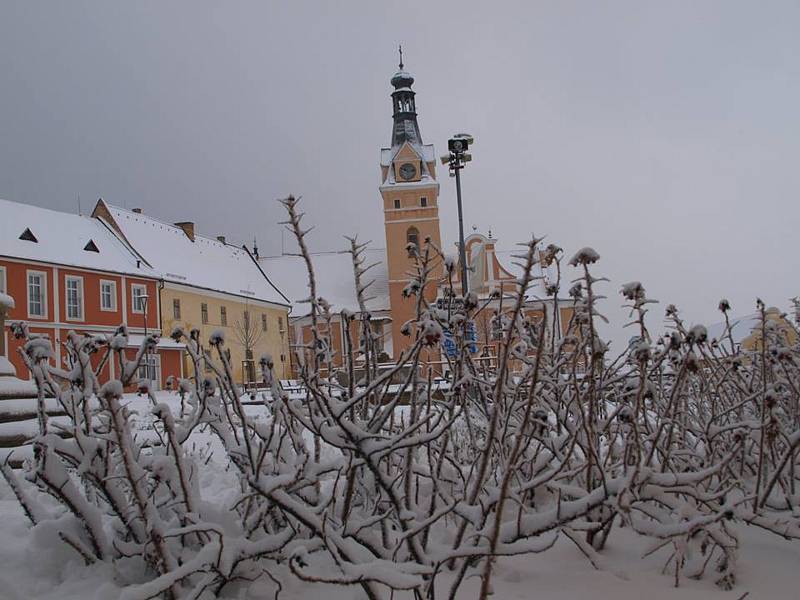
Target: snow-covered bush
{"points": [[382, 480]]}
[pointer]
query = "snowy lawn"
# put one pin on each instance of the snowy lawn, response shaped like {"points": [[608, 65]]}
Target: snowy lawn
{"points": [[34, 563]]}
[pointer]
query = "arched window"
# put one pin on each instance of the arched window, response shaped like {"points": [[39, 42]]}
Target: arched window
{"points": [[412, 237]]}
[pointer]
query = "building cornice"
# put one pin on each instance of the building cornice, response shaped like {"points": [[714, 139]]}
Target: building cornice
{"points": [[40, 263], [413, 220], [210, 293], [409, 185]]}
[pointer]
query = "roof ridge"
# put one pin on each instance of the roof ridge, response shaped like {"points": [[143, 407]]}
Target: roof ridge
{"points": [[317, 253], [52, 210], [171, 225], [143, 215]]}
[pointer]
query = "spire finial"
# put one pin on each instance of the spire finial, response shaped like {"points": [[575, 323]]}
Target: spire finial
{"points": [[400, 49]]}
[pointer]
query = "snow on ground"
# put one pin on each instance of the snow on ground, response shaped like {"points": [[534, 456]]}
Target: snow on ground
{"points": [[34, 563]]}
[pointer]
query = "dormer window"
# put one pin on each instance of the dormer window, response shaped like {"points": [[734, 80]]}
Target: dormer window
{"points": [[28, 236], [91, 247]]}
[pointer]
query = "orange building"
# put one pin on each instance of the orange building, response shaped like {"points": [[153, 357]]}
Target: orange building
{"points": [[69, 272]]}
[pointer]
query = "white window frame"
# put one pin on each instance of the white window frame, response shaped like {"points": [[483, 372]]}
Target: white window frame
{"points": [[3, 283], [150, 369], [43, 286], [113, 284], [79, 280], [140, 287]]}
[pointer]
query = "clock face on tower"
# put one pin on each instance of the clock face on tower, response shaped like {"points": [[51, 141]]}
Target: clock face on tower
{"points": [[408, 171]]}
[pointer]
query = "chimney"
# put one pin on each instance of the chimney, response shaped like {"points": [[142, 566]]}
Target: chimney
{"points": [[221, 239], [138, 211], [188, 228]]}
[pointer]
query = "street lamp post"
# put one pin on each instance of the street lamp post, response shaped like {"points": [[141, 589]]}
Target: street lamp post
{"points": [[455, 160]]}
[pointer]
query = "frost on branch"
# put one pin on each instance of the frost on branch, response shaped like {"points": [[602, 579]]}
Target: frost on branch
{"points": [[391, 479]]}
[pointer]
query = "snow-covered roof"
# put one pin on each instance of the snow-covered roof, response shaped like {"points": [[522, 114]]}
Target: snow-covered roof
{"points": [[205, 263], [63, 239], [741, 327], [334, 276], [165, 343], [542, 275], [425, 151]]}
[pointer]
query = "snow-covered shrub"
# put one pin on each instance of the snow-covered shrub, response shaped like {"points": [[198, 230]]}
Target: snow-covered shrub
{"points": [[385, 479]]}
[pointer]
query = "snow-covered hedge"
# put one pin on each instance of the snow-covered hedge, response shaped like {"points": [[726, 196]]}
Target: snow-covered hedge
{"points": [[376, 479]]}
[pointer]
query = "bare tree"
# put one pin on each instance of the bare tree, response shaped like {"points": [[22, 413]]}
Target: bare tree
{"points": [[248, 332]]}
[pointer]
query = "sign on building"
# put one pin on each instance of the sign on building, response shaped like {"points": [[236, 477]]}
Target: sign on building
{"points": [[449, 342]]}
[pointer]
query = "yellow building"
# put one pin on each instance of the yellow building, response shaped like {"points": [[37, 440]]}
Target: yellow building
{"points": [[252, 328], [745, 333], [208, 285], [777, 326]]}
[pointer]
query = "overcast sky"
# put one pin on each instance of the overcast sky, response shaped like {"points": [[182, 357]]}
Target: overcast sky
{"points": [[665, 135]]}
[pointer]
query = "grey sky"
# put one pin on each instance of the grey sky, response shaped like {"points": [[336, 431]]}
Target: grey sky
{"points": [[665, 135]]}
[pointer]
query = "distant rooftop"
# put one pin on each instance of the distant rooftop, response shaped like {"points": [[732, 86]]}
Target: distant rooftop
{"points": [[334, 277]]}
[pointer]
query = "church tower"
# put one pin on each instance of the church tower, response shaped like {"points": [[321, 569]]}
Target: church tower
{"points": [[410, 194]]}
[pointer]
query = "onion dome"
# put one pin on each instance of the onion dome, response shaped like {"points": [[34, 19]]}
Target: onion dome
{"points": [[402, 79]]}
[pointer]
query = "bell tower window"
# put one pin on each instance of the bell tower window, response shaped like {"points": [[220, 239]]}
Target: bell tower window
{"points": [[412, 237]]}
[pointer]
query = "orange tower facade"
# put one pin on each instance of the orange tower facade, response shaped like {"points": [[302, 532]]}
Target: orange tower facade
{"points": [[410, 193]]}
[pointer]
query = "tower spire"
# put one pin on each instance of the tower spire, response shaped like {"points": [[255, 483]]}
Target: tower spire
{"points": [[404, 107]]}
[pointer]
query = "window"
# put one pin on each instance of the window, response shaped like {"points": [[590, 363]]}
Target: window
{"points": [[28, 236], [150, 369], [412, 237], [377, 335], [91, 247], [74, 289], [138, 298], [37, 294], [176, 308], [2, 281], [108, 295], [280, 326], [223, 316], [423, 202], [263, 322], [204, 313], [397, 203]]}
